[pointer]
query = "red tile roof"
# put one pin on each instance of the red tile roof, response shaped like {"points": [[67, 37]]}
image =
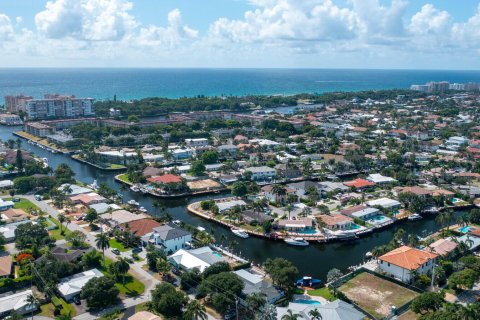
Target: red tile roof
{"points": [[408, 258], [166, 178], [359, 183], [141, 227]]}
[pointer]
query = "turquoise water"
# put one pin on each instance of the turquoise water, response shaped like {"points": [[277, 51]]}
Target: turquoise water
{"points": [[217, 254], [309, 231], [464, 229], [305, 301], [354, 226], [174, 83]]}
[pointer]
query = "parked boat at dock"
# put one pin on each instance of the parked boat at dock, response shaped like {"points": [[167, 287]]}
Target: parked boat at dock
{"points": [[240, 233], [297, 242], [415, 216]]}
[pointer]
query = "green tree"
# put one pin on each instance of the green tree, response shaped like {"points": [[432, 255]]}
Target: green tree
{"points": [[315, 314], [462, 280], [77, 238], [427, 302], [195, 311], [216, 268], [239, 189], [190, 279], [282, 272], [291, 316], [121, 267], [209, 157], [167, 300], [64, 174], [29, 234], [100, 292], [221, 290], [102, 242], [334, 274], [197, 168], [153, 255], [91, 216], [91, 259]]}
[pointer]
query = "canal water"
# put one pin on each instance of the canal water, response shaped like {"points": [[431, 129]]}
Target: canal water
{"points": [[315, 260]]}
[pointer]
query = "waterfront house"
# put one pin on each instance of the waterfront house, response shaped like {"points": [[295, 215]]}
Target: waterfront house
{"points": [[227, 150], [227, 204], [181, 154], [8, 230], [442, 247], [165, 179], [359, 184], [336, 221], [168, 238], [277, 198], [400, 263], [198, 142], [88, 198], [329, 186], [200, 258], [301, 188], [335, 310], [360, 212], [71, 287], [256, 283], [251, 216], [16, 302], [288, 171], [74, 189], [390, 205], [262, 173], [299, 225], [6, 184], [379, 179]]}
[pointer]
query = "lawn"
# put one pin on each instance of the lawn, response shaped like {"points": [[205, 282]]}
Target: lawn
{"points": [[114, 244], [24, 204], [322, 292], [46, 310], [375, 294], [56, 232], [124, 177], [116, 166], [133, 287]]}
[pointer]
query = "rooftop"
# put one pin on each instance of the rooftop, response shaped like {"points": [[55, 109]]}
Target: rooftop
{"points": [[408, 258]]}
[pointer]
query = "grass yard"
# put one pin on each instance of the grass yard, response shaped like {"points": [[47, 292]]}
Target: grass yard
{"points": [[124, 177], [114, 244], [46, 310], [24, 204], [375, 294], [116, 166], [133, 287], [322, 292], [56, 232]]}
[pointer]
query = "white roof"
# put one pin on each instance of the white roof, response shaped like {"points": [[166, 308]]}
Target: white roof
{"points": [[260, 169], [123, 216], [383, 202], [248, 276], [74, 284], [76, 189], [6, 183], [200, 258], [364, 212], [15, 301], [222, 206], [378, 178], [4, 203]]}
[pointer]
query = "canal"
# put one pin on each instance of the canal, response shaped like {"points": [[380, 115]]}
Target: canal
{"points": [[315, 260]]}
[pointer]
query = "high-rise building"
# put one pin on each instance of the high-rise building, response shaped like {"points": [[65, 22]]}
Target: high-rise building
{"points": [[442, 86], [14, 104], [58, 106]]}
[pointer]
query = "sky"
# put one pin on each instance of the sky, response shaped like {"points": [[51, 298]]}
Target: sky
{"points": [[386, 34]]}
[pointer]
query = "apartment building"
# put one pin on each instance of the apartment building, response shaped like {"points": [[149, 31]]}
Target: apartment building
{"points": [[57, 106], [14, 104]]}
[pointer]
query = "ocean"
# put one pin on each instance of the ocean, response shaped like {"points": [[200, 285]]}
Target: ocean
{"points": [[129, 84]]}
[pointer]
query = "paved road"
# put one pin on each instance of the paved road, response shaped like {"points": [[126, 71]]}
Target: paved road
{"points": [[135, 268]]}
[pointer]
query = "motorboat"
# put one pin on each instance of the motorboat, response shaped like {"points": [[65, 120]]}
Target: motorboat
{"points": [[308, 282], [414, 217], [133, 203], [368, 255], [345, 236], [94, 185], [135, 188], [142, 209], [240, 233], [177, 222], [297, 242], [432, 210]]}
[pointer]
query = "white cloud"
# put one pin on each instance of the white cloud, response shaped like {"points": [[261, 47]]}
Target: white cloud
{"points": [[6, 28], [430, 21], [170, 36], [95, 20]]}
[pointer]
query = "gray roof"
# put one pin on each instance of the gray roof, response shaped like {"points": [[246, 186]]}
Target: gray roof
{"points": [[167, 232], [255, 284], [336, 310], [304, 185]]}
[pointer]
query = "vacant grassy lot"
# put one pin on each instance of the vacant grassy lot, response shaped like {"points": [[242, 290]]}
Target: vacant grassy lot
{"points": [[376, 295], [114, 244]]}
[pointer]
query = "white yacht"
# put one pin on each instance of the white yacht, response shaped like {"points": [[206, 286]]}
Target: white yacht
{"points": [[297, 242], [133, 203], [432, 210], [142, 209], [94, 185], [134, 188], [240, 233], [414, 217]]}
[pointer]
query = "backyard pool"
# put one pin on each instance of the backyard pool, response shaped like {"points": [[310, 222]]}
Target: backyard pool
{"points": [[305, 301], [464, 229], [308, 231]]}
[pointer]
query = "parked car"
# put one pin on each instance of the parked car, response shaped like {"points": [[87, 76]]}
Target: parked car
{"points": [[38, 197], [77, 300], [137, 249], [116, 251], [16, 199]]}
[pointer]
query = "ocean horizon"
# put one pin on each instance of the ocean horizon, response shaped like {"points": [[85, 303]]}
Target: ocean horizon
{"points": [[137, 83]]}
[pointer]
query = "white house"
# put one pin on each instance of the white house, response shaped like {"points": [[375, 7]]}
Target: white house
{"points": [[5, 205], [401, 262], [72, 286], [16, 302], [454, 143], [229, 204], [262, 173], [200, 258], [386, 203], [199, 142], [181, 154], [379, 179], [169, 238]]}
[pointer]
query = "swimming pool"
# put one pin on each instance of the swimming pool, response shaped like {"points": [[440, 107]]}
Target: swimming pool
{"points": [[305, 301], [464, 229], [354, 226], [217, 254], [308, 231]]}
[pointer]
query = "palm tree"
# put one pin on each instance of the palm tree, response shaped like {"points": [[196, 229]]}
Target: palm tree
{"points": [[289, 208], [32, 301], [445, 218], [102, 242], [195, 311], [121, 266], [279, 190], [61, 219], [315, 314], [290, 315]]}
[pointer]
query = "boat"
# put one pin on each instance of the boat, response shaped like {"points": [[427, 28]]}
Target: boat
{"points": [[135, 188], [142, 209], [432, 210], [368, 255], [308, 282], [240, 233], [414, 217], [133, 203], [297, 242], [94, 185], [345, 236], [177, 222]]}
